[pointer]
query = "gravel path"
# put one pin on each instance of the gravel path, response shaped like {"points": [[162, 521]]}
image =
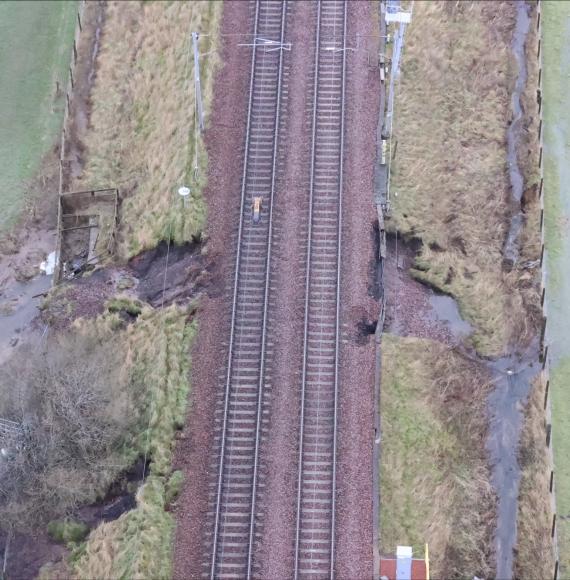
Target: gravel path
{"points": [[356, 409], [224, 141]]}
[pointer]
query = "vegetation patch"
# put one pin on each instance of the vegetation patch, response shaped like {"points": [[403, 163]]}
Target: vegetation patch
{"points": [[137, 545], [92, 404], [67, 530], [435, 481], [556, 88], [559, 381], [33, 65], [142, 137], [127, 305], [450, 170]]}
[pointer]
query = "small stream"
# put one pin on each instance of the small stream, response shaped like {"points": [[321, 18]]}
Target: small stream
{"points": [[512, 380], [511, 248], [19, 307], [512, 374]]}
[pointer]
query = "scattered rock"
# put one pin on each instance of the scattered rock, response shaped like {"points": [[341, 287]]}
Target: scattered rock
{"points": [[125, 283], [8, 245], [26, 271]]}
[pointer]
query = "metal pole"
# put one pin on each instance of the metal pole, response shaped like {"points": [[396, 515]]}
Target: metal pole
{"points": [[197, 85], [5, 564]]}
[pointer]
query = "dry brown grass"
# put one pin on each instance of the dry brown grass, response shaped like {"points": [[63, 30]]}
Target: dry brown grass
{"points": [[434, 474], [452, 111], [534, 557], [142, 136]]}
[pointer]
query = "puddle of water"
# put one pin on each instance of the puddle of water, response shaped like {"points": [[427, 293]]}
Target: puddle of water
{"points": [[511, 249], [445, 310], [22, 308]]}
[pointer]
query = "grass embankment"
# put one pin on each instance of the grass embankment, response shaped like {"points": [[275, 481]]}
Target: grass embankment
{"points": [[139, 543], [35, 48], [534, 556], [434, 473], [155, 376], [142, 136], [450, 169], [142, 139], [556, 88]]}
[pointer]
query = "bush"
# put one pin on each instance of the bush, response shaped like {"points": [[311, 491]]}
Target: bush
{"points": [[132, 307], [174, 486], [67, 530]]}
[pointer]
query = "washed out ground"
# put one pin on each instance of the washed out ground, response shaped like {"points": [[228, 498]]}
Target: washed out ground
{"points": [[451, 201], [556, 87]]}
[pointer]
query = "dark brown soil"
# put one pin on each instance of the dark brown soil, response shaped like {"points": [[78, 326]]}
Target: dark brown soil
{"points": [[408, 310], [28, 553], [224, 142]]}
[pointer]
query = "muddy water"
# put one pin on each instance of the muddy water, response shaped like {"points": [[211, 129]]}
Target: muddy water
{"points": [[445, 309], [511, 249], [512, 378]]}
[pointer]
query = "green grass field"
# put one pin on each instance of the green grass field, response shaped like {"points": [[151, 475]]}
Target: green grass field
{"points": [[434, 476], [556, 88], [35, 44]]}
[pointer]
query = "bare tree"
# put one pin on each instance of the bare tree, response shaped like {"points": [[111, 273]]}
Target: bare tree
{"points": [[73, 408]]}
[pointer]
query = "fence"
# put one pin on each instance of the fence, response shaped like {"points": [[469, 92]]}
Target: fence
{"points": [[65, 124], [69, 89], [544, 373]]}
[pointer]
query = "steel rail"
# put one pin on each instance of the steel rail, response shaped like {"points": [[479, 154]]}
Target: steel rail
{"points": [[339, 255], [266, 298], [307, 287], [307, 294], [236, 297], [234, 308]]}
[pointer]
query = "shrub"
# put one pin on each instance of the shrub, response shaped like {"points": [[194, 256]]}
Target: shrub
{"points": [[67, 530]]}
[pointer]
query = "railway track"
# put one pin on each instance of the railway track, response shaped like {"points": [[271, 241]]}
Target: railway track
{"points": [[315, 525], [240, 415]]}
